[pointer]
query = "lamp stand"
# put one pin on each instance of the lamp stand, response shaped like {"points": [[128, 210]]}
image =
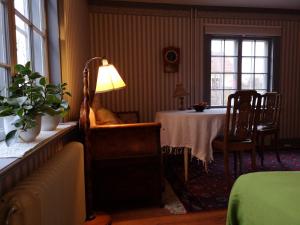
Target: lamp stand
{"points": [[85, 130], [181, 105]]}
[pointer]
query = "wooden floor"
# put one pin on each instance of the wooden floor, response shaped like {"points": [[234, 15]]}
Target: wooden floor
{"points": [[161, 217]]}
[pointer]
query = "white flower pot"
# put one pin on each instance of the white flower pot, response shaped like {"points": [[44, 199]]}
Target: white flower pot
{"points": [[50, 122], [8, 126], [31, 134]]}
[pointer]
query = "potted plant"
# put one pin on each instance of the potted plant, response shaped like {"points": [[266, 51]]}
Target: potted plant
{"points": [[24, 106], [55, 106]]}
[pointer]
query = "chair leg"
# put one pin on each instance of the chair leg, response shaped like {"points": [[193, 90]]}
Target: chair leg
{"points": [[253, 158], [277, 147], [240, 162], [235, 163], [226, 169], [262, 149]]}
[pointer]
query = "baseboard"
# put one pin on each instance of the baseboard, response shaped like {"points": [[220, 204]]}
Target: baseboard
{"points": [[290, 143]]}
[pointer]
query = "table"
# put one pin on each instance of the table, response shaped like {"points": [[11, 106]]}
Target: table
{"points": [[191, 129]]}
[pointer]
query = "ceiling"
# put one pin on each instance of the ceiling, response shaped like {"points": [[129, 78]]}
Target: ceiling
{"points": [[276, 4]]}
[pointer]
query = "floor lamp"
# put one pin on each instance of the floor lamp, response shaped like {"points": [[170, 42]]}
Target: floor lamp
{"points": [[108, 79]]}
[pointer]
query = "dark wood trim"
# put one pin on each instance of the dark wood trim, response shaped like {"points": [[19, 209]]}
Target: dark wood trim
{"points": [[239, 70], [84, 125], [188, 7], [206, 69], [290, 143]]}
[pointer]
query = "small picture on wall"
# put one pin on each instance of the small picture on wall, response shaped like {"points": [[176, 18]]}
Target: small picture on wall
{"points": [[171, 57]]}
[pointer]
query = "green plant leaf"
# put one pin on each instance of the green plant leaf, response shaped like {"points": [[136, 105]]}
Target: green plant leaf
{"points": [[35, 75], [9, 138], [63, 114], [19, 80], [20, 112], [53, 99], [27, 65], [7, 111], [19, 68], [42, 81]]}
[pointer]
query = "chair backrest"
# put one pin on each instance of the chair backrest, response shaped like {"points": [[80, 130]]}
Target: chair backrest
{"points": [[270, 110], [242, 115]]}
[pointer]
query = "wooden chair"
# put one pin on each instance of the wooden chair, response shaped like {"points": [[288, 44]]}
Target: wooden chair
{"points": [[269, 123], [240, 127]]}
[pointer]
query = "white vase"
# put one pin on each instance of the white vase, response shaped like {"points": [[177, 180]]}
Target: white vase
{"points": [[50, 122], [31, 134], [8, 126]]}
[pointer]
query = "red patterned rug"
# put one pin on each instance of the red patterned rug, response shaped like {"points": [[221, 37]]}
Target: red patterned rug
{"points": [[207, 191]]}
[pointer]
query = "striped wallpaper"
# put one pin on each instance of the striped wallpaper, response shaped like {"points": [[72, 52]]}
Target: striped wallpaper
{"points": [[133, 39]]}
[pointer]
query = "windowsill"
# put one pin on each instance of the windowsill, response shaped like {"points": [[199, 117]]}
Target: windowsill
{"points": [[17, 152]]}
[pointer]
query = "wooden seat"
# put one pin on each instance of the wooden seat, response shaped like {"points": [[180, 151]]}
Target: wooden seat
{"points": [[240, 127], [269, 123]]}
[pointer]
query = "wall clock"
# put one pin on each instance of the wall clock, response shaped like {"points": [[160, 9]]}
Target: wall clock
{"points": [[171, 57]]}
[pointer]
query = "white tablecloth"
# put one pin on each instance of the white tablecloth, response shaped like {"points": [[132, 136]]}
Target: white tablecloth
{"points": [[191, 129]]}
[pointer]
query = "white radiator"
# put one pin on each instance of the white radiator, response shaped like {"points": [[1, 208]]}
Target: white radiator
{"points": [[52, 195]]}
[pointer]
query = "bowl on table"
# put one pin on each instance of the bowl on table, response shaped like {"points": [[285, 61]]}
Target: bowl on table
{"points": [[200, 107]]}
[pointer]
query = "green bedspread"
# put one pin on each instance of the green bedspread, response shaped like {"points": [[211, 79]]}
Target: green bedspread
{"points": [[265, 198]]}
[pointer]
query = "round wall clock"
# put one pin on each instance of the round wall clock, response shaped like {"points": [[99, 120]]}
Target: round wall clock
{"points": [[171, 56]]}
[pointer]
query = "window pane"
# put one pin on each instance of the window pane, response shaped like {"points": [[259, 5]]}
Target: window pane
{"points": [[217, 64], [216, 97], [261, 81], [22, 7], [217, 47], [217, 81], [22, 35], [230, 81], [247, 81], [231, 64], [231, 48], [38, 48], [226, 94], [261, 65], [3, 81], [247, 65], [3, 56], [37, 7], [261, 48], [248, 48]]}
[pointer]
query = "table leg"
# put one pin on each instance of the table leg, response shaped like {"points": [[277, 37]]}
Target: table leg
{"points": [[186, 164]]}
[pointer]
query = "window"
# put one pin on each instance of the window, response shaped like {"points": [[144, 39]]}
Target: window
{"points": [[22, 38], [238, 63], [4, 56], [31, 33]]}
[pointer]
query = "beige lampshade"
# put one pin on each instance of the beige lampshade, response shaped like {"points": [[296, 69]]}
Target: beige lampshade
{"points": [[108, 78], [180, 91]]}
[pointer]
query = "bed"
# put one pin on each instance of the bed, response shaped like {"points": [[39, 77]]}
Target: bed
{"points": [[265, 198]]}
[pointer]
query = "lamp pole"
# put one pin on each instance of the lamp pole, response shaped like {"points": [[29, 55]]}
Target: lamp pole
{"points": [[84, 125]]}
